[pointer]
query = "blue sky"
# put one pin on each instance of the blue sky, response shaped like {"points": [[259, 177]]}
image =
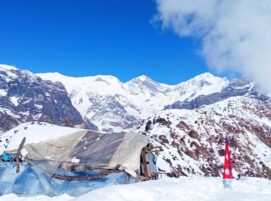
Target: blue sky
{"points": [[89, 37]]}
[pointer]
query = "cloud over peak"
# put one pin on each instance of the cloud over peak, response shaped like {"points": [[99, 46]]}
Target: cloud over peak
{"points": [[235, 34]]}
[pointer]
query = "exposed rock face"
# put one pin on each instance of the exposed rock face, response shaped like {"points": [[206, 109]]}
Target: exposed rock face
{"points": [[110, 114], [193, 140], [8, 120], [25, 97]]}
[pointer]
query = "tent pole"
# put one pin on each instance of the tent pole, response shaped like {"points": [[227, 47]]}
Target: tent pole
{"points": [[18, 154]]}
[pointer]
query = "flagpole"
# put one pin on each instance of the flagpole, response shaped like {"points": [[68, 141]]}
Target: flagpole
{"points": [[227, 174]]}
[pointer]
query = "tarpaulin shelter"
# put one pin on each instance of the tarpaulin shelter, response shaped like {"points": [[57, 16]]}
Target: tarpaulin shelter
{"points": [[82, 156], [88, 150]]}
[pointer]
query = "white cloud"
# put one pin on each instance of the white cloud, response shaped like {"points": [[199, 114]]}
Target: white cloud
{"points": [[235, 34]]}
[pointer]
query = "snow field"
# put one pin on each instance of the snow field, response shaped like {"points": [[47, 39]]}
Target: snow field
{"points": [[185, 189], [194, 188]]}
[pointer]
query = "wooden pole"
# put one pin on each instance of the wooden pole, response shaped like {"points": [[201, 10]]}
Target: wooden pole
{"points": [[18, 154], [83, 178], [145, 166]]}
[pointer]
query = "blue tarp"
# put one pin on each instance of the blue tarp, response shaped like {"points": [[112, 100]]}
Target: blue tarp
{"points": [[31, 182], [7, 157]]}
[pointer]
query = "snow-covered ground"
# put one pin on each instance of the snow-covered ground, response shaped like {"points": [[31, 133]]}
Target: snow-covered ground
{"points": [[39, 198], [184, 189]]}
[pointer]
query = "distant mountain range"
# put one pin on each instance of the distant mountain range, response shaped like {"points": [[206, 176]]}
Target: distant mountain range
{"points": [[113, 106], [189, 120]]}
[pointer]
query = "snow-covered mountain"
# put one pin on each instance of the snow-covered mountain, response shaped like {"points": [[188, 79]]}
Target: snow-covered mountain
{"points": [[193, 140], [237, 87], [113, 105], [104, 102], [26, 97]]}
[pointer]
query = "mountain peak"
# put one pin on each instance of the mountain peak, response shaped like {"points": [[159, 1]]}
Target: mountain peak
{"points": [[142, 78], [7, 67], [208, 78], [206, 75]]}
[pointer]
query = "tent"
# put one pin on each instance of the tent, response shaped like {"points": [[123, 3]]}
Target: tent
{"points": [[75, 163], [88, 150]]}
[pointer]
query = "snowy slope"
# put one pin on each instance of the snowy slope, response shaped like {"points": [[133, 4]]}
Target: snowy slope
{"points": [[184, 189], [113, 105], [39, 198], [34, 132], [193, 140]]}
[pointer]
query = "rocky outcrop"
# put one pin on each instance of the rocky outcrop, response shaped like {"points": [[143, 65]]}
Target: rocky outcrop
{"points": [[193, 140], [25, 97]]}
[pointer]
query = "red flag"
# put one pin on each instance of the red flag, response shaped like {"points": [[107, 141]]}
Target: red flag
{"points": [[227, 163]]}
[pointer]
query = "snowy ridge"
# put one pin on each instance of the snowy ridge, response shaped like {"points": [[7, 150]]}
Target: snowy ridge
{"points": [[7, 67], [203, 84], [128, 103]]}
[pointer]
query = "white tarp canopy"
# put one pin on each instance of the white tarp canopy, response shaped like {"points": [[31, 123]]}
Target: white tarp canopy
{"points": [[87, 150]]}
